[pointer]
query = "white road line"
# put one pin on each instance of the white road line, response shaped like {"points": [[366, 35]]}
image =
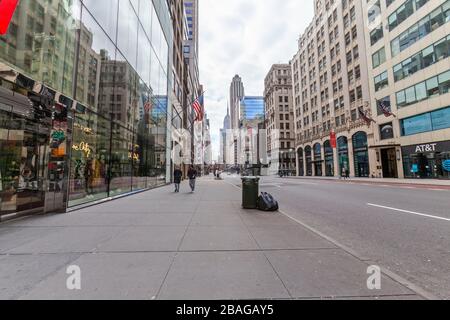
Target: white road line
{"points": [[410, 212]]}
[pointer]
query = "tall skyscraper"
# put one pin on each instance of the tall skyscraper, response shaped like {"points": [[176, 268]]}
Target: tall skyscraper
{"points": [[236, 94]]}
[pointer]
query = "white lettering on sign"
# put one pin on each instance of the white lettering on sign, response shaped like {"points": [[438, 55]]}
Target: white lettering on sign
{"points": [[426, 148]]}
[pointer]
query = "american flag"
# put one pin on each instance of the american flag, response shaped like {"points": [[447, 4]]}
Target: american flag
{"points": [[198, 108], [364, 115], [148, 106], [385, 109]]}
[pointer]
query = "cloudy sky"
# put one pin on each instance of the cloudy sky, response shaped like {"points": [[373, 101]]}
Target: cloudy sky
{"points": [[245, 37]]}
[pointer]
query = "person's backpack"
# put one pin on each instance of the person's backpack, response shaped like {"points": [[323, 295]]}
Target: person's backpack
{"points": [[267, 203]]}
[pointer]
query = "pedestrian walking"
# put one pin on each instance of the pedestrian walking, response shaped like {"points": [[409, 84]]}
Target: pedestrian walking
{"points": [[177, 175], [192, 174], [343, 172], [347, 174]]}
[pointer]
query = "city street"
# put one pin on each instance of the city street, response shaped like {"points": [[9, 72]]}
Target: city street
{"points": [[402, 227], [161, 245]]}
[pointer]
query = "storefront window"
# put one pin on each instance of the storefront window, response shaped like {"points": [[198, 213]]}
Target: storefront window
{"points": [[112, 121], [308, 158], [329, 159], [33, 149], [361, 154], [90, 157], [301, 169], [427, 161], [342, 144], [318, 160]]}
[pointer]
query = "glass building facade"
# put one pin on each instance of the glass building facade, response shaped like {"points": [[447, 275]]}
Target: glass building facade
{"points": [[83, 102], [252, 109]]}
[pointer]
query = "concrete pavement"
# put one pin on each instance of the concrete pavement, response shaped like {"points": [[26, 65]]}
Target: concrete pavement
{"points": [[161, 245]]}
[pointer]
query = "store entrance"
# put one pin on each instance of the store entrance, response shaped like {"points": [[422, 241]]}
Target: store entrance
{"points": [[389, 162], [431, 165]]}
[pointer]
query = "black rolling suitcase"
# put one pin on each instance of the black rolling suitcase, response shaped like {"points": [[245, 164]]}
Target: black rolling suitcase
{"points": [[267, 203]]}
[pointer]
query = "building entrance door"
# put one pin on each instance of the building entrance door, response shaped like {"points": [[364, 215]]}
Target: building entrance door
{"points": [[389, 163]]}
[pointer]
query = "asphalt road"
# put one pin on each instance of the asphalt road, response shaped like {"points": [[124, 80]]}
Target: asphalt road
{"points": [[406, 230]]}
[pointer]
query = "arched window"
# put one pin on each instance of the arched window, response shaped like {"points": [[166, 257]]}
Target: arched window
{"points": [[308, 160], [360, 154], [342, 146], [318, 159], [301, 169], [329, 159]]}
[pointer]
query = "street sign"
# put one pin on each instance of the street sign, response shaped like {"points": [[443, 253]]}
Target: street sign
{"points": [[7, 8]]}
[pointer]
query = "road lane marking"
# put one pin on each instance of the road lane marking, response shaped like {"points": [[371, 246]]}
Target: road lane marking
{"points": [[410, 212]]}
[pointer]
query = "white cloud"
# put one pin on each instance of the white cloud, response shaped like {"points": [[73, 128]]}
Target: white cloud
{"points": [[245, 37]]}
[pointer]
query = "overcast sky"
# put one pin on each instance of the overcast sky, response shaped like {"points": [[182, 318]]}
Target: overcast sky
{"points": [[245, 37]]}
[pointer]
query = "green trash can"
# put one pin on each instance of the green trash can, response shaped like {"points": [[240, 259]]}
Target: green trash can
{"points": [[250, 192]]}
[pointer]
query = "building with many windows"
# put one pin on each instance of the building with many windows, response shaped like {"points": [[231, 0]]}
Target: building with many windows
{"points": [[279, 111], [83, 102], [408, 44], [331, 93]]}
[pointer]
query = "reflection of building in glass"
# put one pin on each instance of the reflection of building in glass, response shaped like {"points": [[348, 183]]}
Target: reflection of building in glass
{"points": [[251, 111], [251, 120], [82, 113]]}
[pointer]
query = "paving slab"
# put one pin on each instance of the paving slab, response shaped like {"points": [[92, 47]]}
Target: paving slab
{"points": [[13, 237], [68, 240], [124, 276], [162, 219], [326, 273], [144, 239], [254, 218], [288, 237], [219, 220], [20, 273], [76, 218], [130, 207], [216, 207], [214, 238], [226, 275]]}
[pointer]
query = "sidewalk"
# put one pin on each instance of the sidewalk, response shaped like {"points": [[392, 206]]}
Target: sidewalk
{"points": [[389, 181], [160, 245]]}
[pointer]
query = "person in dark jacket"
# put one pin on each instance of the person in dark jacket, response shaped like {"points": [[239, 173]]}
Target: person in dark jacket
{"points": [[177, 174], [192, 175]]}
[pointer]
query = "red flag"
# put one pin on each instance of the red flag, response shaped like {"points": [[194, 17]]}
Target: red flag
{"points": [[7, 8], [333, 141]]}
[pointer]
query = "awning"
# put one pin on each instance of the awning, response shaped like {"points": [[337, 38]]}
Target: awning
{"points": [[384, 146]]}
